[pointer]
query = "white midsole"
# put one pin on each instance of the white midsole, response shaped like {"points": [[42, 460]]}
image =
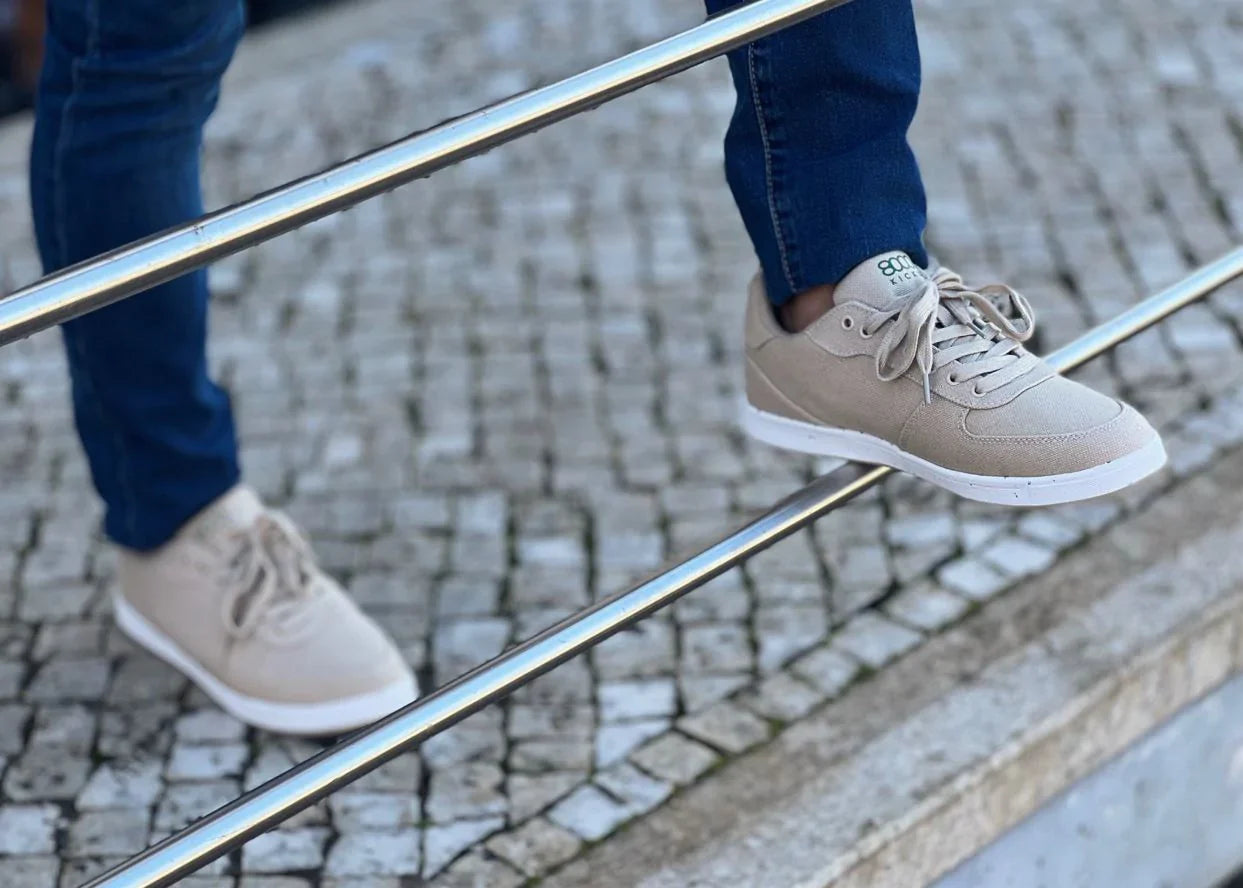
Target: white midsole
{"points": [[311, 719], [1042, 490]]}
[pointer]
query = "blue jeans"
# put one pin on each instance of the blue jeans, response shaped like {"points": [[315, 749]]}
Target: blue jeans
{"points": [[816, 156], [125, 90], [816, 153]]}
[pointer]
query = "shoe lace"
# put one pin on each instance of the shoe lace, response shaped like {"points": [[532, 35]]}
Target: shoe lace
{"points": [[273, 574], [948, 322]]}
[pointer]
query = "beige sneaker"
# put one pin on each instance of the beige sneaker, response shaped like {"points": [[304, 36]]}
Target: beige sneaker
{"points": [[914, 370], [236, 602]]}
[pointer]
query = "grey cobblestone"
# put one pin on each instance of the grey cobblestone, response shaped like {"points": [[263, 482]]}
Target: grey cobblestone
{"points": [[442, 844], [209, 726], [32, 870], [535, 847], [395, 853], [675, 758], [972, 578], [356, 811], [1016, 557], [207, 762], [469, 790], [647, 698], [285, 849], [474, 871], [41, 774], [725, 726], [875, 640], [490, 423], [701, 691], [28, 829], [1049, 529], [128, 784], [13, 720], [641, 792], [552, 754], [589, 813], [615, 741], [925, 607], [529, 794], [827, 669], [781, 697], [183, 803], [69, 728], [62, 680], [108, 833], [782, 632]]}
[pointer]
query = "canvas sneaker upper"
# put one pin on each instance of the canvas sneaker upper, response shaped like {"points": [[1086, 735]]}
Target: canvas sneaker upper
{"points": [[237, 601], [938, 369]]}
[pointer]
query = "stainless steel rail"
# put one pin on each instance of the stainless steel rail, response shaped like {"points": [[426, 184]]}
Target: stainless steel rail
{"points": [[143, 264], [310, 781]]}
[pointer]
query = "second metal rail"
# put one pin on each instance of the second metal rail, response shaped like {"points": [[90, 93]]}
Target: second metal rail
{"points": [[315, 778]]}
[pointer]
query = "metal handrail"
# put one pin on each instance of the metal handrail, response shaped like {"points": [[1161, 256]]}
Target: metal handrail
{"points": [[315, 778], [131, 269]]}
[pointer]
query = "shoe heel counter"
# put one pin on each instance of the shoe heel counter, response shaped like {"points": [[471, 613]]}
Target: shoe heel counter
{"points": [[759, 324], [763, 395]]}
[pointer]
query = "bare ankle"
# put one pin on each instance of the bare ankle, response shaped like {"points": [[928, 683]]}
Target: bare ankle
{"points": [[806, 308]]}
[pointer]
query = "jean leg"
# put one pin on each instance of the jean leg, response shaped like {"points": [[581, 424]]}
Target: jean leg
{"points": [[816, 154], [125, 90]]}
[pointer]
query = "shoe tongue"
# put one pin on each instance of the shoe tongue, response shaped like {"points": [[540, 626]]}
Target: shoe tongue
{"points": [[880, 280]]}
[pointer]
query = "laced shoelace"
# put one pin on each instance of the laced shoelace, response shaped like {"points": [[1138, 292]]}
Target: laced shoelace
{"points": [[274, 574], [947, 321]]}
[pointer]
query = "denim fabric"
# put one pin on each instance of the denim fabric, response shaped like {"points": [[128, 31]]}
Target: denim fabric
{"points": [[125, 90], [816, 153], [816, 156]]}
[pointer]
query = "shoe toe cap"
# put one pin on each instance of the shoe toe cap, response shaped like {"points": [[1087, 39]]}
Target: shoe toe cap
{"points": [[341, 654], [1066, 447]]}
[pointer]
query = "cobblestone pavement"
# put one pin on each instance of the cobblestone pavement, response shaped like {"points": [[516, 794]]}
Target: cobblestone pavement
{"points": [[497, 394]]}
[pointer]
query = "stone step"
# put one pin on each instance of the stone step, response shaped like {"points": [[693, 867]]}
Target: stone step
{"points": [[920, 767]]}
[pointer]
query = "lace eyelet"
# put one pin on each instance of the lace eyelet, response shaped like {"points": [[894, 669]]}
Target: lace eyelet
{"points": [[952, 379], [865, 334], [975, 390], [847, 323]]}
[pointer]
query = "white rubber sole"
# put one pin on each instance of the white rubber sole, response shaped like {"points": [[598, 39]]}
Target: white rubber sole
{"points": [[1044, 490], [305, 719]]}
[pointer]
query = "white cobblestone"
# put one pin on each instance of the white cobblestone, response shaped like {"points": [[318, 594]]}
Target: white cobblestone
{"points": [[285, 849], [536, 846], [1016, 557], [972, 578], [28, 829], [442, 844], [875, 640], [395, 853], [589, 813], [725, 726], [615, 741], [925, 607], [131, 784], [827, 669]]}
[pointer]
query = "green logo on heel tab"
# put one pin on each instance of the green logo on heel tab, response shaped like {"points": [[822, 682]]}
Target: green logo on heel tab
{"points": [[900, 268]]}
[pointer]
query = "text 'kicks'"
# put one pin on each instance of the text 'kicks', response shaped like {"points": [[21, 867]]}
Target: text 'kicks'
{"points": [[913, 370], [236, 602]]}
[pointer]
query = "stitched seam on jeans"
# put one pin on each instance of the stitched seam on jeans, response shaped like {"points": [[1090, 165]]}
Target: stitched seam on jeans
{"points": [[770, 191], [60, 207]]}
